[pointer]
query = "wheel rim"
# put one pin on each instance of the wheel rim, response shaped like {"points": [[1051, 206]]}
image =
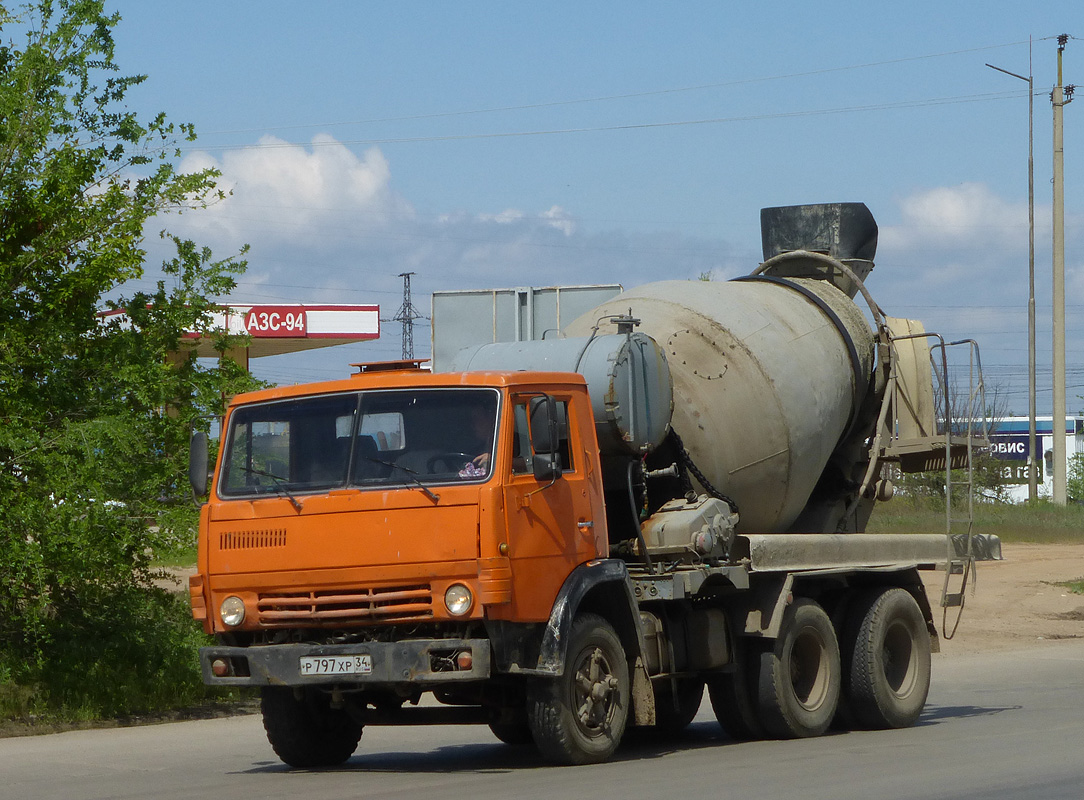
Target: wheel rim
{"points": [[900, 659], [594, 692], [810, 670]]}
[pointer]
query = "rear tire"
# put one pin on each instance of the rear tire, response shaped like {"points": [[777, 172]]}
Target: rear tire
{"points": [[887, 652], [799, 681], [733, 694], [307, 732], [675, 710], [579, 717]]}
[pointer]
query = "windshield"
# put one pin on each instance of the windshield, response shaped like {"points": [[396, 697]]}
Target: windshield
{"points": [[360, 439]]}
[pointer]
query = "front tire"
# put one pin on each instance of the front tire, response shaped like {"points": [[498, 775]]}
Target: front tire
{"points": [[305, 731], [579, 717], [799, 682], [511, 727], [887, 650]]}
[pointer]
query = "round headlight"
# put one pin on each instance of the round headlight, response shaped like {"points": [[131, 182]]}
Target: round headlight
{"points": [[232, 611], [458, 599]]}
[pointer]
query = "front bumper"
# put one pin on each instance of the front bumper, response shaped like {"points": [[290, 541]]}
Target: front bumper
{"points": [[418, 661]]}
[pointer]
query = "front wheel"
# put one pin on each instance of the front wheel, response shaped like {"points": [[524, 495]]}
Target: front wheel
{"points": [[799, 681], [511, 726], [579, 717], [304, 730], [887, 649]]}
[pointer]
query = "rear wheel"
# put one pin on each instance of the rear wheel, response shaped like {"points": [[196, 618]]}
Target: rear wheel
{"points": [[304, 730], [887, 658], [798, 687], [733, 694], [579, 717], [676, 703]]}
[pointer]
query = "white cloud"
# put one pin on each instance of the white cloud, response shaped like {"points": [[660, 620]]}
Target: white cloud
{"points": [[967, 215], [277, 193], [560, 219], [505, 217]]}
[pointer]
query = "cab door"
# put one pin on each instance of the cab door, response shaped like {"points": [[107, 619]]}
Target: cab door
{"points": [[553, 526]]}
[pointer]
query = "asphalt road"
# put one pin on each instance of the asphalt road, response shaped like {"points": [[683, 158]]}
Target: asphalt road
{"points": [[1004, 725]]}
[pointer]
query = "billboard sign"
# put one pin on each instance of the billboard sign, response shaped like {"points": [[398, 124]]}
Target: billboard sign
{"points": [[274, 321], [1009, 447], [1012, 449]]}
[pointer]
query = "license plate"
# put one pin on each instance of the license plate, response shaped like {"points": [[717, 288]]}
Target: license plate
{"points": [[361, 664]]}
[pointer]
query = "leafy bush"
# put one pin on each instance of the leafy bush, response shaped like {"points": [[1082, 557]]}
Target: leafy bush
{"points": [[132, 655], [1074, 484], [96, 412]]}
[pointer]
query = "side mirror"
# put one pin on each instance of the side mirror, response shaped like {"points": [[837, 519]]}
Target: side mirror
{"points": [[545, 436], [547, 466], [197, 463]]}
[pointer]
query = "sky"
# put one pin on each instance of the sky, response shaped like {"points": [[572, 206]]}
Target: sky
{"points": [[500, 144]]}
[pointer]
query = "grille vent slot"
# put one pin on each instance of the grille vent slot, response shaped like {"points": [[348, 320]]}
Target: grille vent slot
{"points": [[252, 539], [346, 606]]}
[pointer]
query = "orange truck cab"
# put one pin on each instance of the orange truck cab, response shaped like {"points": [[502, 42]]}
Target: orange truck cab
{"points": [[402, 531]]}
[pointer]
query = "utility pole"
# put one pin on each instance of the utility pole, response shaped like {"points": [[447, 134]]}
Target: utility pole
{"points": [[1033, 463], [1060, 97], [406, 314]]}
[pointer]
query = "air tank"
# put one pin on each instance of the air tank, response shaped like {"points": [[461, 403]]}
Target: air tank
{"points": [[768, 374], [627, 377]]}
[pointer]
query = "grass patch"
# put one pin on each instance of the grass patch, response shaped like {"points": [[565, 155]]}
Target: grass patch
{"points": [[1076, 587], [1042, 523], [182, 556]]}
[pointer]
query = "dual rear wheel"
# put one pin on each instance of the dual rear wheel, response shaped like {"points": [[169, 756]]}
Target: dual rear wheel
{"points": [[875, 674]]}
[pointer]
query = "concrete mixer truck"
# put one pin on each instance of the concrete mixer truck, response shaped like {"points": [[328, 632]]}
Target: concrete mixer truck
{"points": [[565, 537]]}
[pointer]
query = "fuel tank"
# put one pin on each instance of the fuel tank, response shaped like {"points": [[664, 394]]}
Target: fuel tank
{"points": [[768, 375]]}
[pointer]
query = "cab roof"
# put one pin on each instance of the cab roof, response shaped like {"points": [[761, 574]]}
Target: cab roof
{"points": [[415, 378]]}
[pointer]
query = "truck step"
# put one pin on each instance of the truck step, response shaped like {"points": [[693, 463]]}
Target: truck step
{"points": [[952, 600]]}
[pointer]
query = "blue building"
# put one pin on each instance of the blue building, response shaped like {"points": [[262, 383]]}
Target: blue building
{"points": [[1009, 442]]}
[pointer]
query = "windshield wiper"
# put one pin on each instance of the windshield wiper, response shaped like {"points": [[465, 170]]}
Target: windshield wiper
{"points": [[280, 485], [411, 473]]}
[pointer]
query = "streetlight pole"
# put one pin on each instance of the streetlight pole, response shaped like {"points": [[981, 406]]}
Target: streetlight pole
{"points": [[1033, 464], [1060, 97]]}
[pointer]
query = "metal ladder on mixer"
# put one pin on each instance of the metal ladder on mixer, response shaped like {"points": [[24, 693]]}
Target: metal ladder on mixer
{"points": [[925, 436]]}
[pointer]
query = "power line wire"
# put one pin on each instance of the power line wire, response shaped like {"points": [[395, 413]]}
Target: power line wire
{"points": [[902, 104], [628, 95]]}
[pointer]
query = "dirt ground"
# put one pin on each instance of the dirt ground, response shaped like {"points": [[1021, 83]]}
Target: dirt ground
{"points": [[1017, 602]]}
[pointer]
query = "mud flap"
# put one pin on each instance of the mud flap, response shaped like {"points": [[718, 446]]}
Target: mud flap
{"points": [[643, 697]]}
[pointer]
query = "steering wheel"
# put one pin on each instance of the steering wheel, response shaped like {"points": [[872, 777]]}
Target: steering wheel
{"points": [[454, 462]]}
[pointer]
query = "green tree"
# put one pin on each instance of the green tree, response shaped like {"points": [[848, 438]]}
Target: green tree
{"points": [[94, 414], [1075, 481]]}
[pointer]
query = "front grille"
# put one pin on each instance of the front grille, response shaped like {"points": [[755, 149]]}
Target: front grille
{"points": [[346, 606], [252, 539]]}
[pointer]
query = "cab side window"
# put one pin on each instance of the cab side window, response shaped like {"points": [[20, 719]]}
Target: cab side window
{"points": [[522, 454]]}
